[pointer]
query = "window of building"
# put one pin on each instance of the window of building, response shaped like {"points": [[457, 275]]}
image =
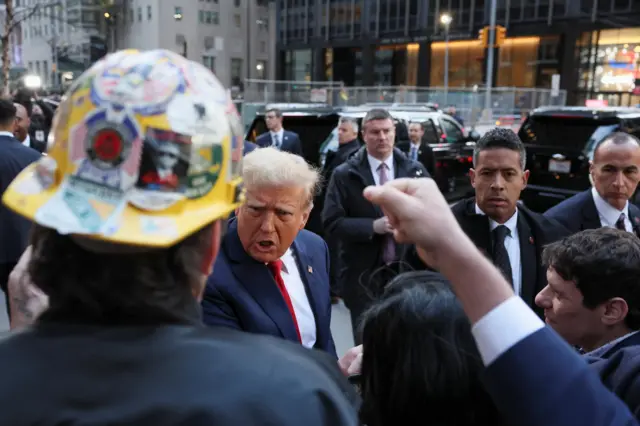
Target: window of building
{"points": [[208, 17], [216, 18], [201, 14], [236, 71], [177, 13], [237, 3], [209, 62], [139, 14], [131, 15], [149, 13], [238, 20], [263, 46]]}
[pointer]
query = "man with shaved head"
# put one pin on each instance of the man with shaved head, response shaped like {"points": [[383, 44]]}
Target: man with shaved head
{"points": [[615, 173]]}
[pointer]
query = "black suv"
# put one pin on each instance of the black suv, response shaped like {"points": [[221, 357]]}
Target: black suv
{"points": [[560, 142]]}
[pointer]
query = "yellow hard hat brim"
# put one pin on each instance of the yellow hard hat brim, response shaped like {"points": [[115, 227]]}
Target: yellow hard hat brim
{"points": [[129, 225]]}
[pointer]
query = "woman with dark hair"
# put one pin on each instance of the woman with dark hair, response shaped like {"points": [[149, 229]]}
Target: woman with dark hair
{"points": [[420, 363]]}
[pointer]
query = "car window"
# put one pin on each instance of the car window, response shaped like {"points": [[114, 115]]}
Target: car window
{"points": [[329, 144], [431, 134], [577, 133], [452, 131]]}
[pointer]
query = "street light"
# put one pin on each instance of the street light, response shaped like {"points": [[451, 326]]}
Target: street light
{"points": [[445, 20], [33, 82]]}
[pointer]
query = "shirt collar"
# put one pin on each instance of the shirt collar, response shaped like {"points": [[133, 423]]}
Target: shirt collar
{"points": [[375, 163], [278, 133], [606, 211], [416, 144], [3, 133], [511, 224], [604, 348]]}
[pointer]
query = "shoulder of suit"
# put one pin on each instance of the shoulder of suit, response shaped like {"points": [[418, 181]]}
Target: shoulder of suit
{"points": [[307, 238], [291, 133], [565, 206]]}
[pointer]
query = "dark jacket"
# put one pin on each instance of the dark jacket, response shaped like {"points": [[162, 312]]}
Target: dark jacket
{"points": [[534, 232], [290, 142], [348, 216], [167, 374], [14, 229], [579, 212], [335, 158], [425, 155]]}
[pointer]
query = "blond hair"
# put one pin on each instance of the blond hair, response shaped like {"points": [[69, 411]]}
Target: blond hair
{"points": [[271, 167]]}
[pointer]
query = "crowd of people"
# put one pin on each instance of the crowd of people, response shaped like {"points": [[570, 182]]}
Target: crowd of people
{"points": [[202, 299]]}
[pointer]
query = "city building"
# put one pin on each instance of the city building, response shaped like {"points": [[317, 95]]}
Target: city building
{"points": [[234, 38], [593, 45]]}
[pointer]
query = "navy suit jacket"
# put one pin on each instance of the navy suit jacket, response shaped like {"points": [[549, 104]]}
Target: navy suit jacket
{"points": [[579, 212], [247, 147], [242, 294], [542, 381], [14, 229], [290, 142]]}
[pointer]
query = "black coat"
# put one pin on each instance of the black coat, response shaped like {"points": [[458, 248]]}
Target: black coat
{"points": [[534, 232], [167, 374], [348, 216], [425, 155], [579, 213]]}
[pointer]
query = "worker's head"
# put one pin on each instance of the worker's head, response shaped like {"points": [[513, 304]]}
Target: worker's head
{"points": [[116, 238]]}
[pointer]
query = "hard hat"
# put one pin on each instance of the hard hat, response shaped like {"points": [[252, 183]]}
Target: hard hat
{"points": [[147, 149]]}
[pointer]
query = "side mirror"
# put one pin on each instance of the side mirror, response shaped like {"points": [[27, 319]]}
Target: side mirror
{"points": [[474, 136]]}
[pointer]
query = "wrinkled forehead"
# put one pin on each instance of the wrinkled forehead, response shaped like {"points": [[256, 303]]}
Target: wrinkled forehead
{"points": [[272, 195], [378, 125], [498, 159]]}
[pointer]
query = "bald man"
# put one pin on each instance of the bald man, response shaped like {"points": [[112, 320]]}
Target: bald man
{"points": [[615, 173]]}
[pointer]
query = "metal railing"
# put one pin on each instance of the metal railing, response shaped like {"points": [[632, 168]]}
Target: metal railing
{"points": [[507, 103]]}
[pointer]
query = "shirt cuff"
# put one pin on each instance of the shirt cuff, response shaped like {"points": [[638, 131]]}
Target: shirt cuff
{"points": [[503, 327]]}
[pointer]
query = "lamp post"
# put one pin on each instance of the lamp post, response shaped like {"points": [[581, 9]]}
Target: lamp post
{"points": [[445, 20]]}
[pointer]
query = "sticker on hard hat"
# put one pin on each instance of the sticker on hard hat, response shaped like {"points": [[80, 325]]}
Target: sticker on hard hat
{"points": [[106, 152], [204, 171]]}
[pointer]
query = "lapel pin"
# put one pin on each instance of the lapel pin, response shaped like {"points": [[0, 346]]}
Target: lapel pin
{"points": [[531, 240], [637, 219], [310, 269]]}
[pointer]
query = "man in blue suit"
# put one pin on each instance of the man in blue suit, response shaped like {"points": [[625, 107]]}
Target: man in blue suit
{"points": [[14, 229], [248, 147], [277, 137], [533, 376], [615, 173], [271, 275]]}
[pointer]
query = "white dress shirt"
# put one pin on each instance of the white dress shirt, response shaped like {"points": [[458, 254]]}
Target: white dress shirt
{"points": [[374, 163], [27, 141], [608, 214], [12, 135], [298, 295], [512, 245], [280, 135], [503, 327]]}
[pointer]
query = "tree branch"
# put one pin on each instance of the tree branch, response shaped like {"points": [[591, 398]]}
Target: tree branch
{"points": [[24, 16]]}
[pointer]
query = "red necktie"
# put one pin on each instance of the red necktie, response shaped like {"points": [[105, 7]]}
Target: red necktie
{"points": [[276, 269]]}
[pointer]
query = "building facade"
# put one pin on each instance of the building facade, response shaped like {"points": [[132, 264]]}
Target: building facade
{"points": [[233, 38], [594, 45]]}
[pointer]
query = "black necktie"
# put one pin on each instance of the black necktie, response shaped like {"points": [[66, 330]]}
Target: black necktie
{"points": [[500, 255], [620, 223]]}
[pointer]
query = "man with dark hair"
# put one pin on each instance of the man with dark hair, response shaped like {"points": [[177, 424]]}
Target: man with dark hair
{"points": [[368, 251], [277, 136], [509, 234], [417, 149], [593, 296], [615, 173], [14, 229]]}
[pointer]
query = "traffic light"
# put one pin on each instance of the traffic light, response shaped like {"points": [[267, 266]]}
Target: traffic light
{"points": [[483, 36], [501, 35]]}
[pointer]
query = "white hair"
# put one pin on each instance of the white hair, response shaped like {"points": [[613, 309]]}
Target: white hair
{"points": [[352, 121], [271, 167]]}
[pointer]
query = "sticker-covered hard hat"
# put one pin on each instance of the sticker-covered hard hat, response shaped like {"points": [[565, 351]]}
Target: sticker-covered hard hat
{"points": [[146, 150]]}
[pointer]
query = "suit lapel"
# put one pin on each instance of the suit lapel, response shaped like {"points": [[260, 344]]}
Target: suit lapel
{"points": [[590, 217], [476, 226], [259, 282], [634, 217], [304, 261], [528, 260], [366, 176]]}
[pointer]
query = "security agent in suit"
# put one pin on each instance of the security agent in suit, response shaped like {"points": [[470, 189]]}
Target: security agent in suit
{"points": [[246, 292], [528, 366], [348, 146], [592, 297], [509, 234], [417, 149], [368, 253], [615, 173], [277, 136], [14, 229]]}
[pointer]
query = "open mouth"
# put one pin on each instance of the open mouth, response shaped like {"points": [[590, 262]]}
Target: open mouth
{"points": [[265, 243]]}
